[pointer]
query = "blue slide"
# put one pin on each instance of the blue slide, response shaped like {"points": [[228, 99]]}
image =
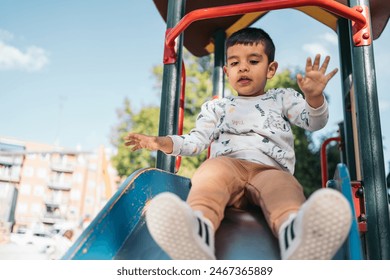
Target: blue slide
{"points": [[119, 231]]}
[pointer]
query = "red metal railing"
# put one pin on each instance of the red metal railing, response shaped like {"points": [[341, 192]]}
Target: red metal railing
{"points": [[357, 196], [356, 14], [324, 159]]}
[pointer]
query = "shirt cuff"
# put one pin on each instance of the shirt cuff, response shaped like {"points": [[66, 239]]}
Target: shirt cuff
{"points": [[317, 111], [177, 144]]}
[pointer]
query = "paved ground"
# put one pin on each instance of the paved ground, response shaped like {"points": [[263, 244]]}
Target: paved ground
{"points": [[11, 251]]}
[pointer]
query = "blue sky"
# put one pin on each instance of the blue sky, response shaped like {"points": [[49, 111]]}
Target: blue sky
{"points": [[66, 66]]}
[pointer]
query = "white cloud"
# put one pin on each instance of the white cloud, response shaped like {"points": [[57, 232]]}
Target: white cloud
{"points": [[5, 35], [315, 48], [12, 58], [323, 45], [330, 37]]}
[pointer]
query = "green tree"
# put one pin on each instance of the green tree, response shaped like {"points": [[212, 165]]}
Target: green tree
{"points": [[145, 121], [198, 90]]}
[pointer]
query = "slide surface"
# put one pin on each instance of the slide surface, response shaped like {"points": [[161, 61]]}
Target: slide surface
{"points": [[119, 231]]}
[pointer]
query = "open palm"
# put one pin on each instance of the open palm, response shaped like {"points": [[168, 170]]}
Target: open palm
{"points": [[315, 79]]}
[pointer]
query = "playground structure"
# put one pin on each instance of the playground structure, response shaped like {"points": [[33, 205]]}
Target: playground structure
{"points": [[119, 231]]}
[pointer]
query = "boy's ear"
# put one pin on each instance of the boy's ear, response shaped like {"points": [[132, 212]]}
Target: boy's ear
{"points": [[225, 70], [272, 67]]}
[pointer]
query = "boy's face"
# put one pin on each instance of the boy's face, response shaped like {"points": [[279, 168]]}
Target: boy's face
{"points": [[248, 69]]}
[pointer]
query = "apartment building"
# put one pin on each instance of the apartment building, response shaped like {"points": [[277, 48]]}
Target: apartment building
{"points": [[46, 186]]}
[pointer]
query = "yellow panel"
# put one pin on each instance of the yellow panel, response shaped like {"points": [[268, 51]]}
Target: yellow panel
{"points": [[243, 22], [317, 13], [321, 15]]}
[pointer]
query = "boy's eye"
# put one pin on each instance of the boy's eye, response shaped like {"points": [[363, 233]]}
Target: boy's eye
{"points": [[234, 63], [254, 62]]}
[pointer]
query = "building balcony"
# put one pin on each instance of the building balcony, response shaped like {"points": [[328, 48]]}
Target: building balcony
{"points": [[9, 178], [52, 204], [62, 167], [11, 160], [59, 186], [52, 218]]}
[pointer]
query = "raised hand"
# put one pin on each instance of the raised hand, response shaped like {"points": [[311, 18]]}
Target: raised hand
{"points": [[315, 80]]}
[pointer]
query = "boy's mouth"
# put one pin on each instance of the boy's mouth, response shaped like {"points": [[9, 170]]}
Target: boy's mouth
{"points": [[244, 80]]}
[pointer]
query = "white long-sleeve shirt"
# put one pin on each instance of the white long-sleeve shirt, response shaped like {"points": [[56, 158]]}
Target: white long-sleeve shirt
{"points": [[257, 129]]}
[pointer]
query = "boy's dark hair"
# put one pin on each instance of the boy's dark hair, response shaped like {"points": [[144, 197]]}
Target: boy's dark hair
{"points": [[250, 36]]}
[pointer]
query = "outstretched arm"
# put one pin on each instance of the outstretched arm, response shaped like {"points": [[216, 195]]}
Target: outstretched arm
{"points": [[315, 80], [152, 143]]}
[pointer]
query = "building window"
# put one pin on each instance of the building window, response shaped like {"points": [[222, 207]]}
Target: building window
{"points": [[75, 194], [42, 172], [36, 208], [73, 211], [28, 171], [31, 156], [25, 189], [22, 208], [81, 159], [57, 196], [5, 171], [93, 167], [78, 178], [15, 171], [91, 184], [45, 157], [39, 190], [89, 200]]}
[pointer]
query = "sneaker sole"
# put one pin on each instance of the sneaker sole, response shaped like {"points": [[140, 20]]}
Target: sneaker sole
{"points": [[170, 224], [324, 228]]}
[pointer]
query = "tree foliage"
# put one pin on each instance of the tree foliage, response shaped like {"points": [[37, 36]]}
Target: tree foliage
{"points": [[145, 121], [199, 90]]}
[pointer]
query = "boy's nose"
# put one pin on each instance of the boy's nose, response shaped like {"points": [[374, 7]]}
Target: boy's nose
{"points": [[243, 67]]}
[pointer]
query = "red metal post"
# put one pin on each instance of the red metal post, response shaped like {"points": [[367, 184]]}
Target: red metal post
{"points": [[181, 110]]}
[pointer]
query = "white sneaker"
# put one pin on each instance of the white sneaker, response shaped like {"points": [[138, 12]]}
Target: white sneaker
{"points": [[318, 229], [182, 233]]}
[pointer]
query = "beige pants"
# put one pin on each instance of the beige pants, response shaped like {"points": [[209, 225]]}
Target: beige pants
{"points": [[226, 182]]}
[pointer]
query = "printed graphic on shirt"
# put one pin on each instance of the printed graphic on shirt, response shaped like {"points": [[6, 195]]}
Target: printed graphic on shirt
{"points": [[275, 122], [278, 154], [304, 117], [262, 113]]}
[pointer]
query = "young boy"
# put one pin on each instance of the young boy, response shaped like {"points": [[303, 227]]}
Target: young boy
{"points": [[252, 161]]}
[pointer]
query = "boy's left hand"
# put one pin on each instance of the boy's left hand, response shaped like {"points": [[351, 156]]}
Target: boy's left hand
{"points": [[315, 80]]}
